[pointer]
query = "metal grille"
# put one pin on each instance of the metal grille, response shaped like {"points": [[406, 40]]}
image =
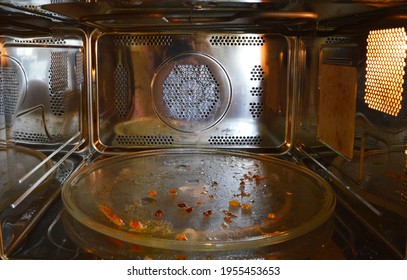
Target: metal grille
{"points": [[190, 92], [257, 74], [30, 137], [38, 9], [256, 109], [234, 140], [237, 41], [256, 91], [143, 40], [9, 92], [338, 40], [58, 81], [48, 41], [141, 140], [386, 53], [79, 68], [63, 171], [121, 90]]}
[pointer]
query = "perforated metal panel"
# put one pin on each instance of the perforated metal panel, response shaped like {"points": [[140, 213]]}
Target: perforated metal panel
{"points": [[191, 92], [9, 90], [121, 90], [143, 40], [12, 88], [237, 40], [192, 89], [386, 54], [58, 81], [257, 73]]}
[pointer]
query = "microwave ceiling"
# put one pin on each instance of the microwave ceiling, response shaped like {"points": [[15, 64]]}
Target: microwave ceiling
{"points": [[282, 15]]}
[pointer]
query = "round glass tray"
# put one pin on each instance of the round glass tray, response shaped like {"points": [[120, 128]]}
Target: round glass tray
{"points": [[197, 200]]}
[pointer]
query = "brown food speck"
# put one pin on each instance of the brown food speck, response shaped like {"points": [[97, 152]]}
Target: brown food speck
{"points": [[258, 178], [173, 191], [182, 205], [181, 237], [207, 213], [159, 213], [189, 210], [234, 203], [247, 206], [226, 212], [271, 216], [242, 184], [227, 219], [211, 196], [152, 192]]}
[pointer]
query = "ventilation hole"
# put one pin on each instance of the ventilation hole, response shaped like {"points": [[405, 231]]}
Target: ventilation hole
{"points": [[256, 109], [338, 40], [148, 40], [191, 92], [38, 9], [9, 92], [141, 140], [234, 140], [79, 68], [256, 91], [257, 74], [121, 90], [30, 137], [374, 143], [63, 172], [49, 41], [58, 81], [385, 70], [237, 41]]}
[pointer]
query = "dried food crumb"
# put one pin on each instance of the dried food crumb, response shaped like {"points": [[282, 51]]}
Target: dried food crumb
{"points": [[207, 213], [173, 191], [227, 219], [111, 215], [271, 216], [181, 237], [136, 225], [152, 192], [234, 203], [189, 210], [227, 212], [247, 206], [182, 205], [159, 213]]}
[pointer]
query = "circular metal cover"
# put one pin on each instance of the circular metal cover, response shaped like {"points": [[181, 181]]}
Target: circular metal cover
{"points": [[191, 92]]}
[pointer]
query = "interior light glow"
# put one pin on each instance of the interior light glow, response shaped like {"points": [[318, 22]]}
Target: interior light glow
{"points": [[386, 55]]}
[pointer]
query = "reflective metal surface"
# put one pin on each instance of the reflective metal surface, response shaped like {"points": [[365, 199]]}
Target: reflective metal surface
{"points": [[193, 89]]}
